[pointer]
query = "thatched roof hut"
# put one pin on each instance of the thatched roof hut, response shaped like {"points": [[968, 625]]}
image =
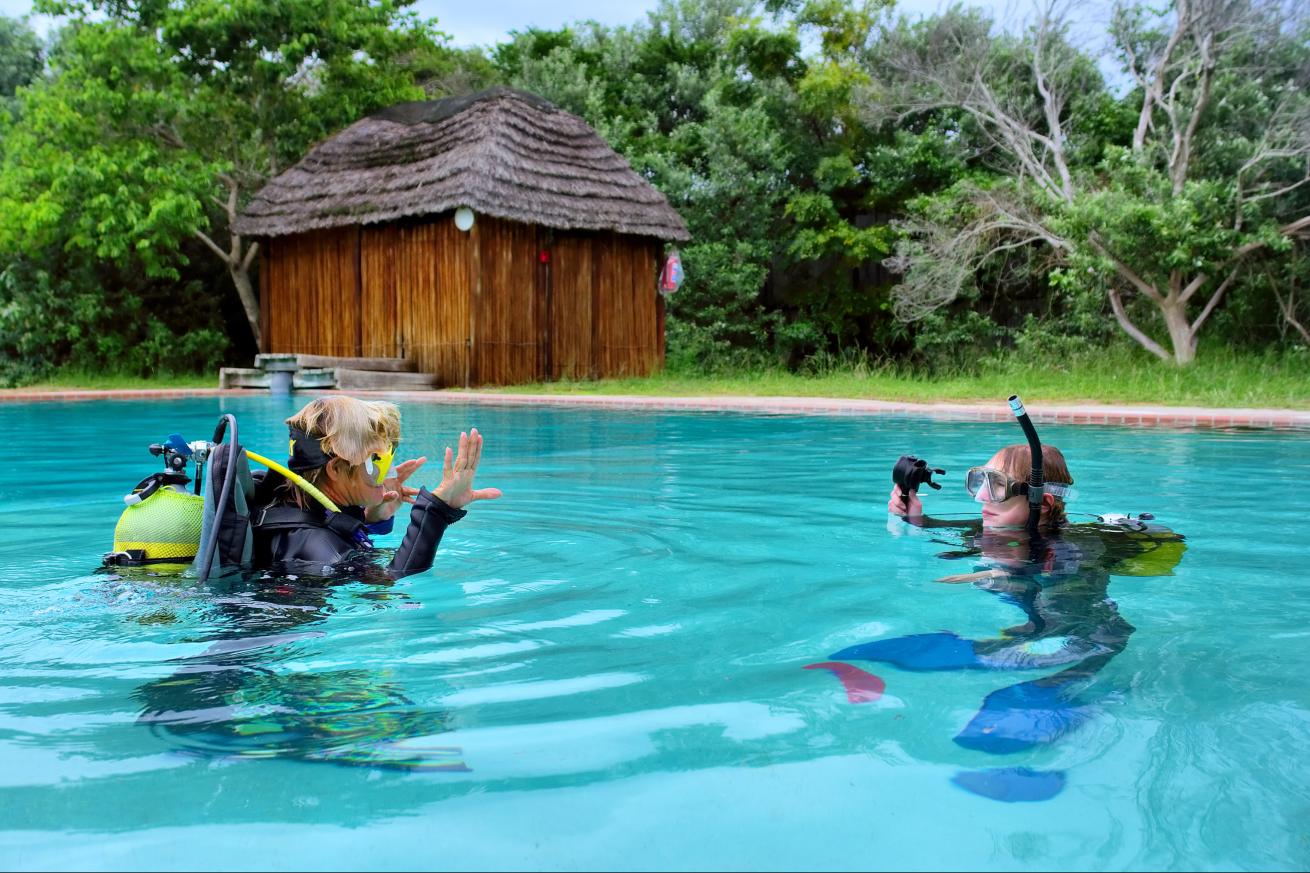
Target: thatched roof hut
{"points": [[501, 152], [556, 278]]}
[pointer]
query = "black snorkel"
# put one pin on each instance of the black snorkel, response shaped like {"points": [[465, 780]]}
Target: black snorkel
{"points": [[1036, 478]]}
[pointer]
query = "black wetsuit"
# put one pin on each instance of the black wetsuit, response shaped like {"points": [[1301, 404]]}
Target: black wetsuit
{"points": [[319, 542]]}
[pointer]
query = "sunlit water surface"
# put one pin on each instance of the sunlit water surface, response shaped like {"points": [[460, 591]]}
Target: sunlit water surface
{"points": [[604, 670]]}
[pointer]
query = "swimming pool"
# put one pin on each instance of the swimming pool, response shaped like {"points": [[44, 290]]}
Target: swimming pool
{"points": [[604, 670]]}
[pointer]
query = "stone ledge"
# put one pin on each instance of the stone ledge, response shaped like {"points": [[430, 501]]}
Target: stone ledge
{"points": [[1129, 416]]}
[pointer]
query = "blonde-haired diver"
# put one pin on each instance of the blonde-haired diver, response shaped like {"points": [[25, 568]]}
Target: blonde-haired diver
{"points": [[342, 449]]}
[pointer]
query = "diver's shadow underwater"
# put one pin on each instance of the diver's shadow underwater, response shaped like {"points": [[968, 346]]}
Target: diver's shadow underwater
{"points": [[232, 702]]}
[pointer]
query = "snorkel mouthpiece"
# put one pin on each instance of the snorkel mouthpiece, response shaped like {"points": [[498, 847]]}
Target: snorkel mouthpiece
{"points": [[1037, 477]]}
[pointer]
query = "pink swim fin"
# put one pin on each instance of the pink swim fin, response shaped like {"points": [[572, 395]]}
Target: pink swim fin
{"points": [[861, 687]]}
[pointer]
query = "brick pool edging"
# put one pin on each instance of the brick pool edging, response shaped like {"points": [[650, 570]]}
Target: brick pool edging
{"points": [[1130, 415]]}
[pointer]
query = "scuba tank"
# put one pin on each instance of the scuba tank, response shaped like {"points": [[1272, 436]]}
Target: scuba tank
{"points": [[160, 528], [170, 530]]}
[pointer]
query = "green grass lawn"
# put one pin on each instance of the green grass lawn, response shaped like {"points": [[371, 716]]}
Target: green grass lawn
{"points": [[79, 380], [1223, 380], [1219, 379]]}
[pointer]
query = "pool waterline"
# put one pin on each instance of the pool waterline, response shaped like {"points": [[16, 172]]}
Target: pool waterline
{"points": [[1126, 415]]}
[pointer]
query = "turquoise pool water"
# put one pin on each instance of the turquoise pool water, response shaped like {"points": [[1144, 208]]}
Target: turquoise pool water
{"points": [[605, 668]]}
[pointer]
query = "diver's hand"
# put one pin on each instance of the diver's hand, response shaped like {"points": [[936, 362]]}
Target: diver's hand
{"points": [[973, 577], [456, 488], [898, 507], [396, 491], [965, 577]]}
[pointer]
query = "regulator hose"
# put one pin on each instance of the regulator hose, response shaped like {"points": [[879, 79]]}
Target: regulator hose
{"points": [[226, 423], [296, 478]]}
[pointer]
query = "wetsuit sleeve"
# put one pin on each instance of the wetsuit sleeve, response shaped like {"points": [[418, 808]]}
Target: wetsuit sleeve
{"points": [[428, 520], [381, 528]]}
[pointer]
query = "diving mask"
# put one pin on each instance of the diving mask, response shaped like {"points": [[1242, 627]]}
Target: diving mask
{"points": [[307, 454], [378, 464], [996, 486]]}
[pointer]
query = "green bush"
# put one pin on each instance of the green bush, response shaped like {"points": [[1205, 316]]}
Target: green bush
{"points": [[50, 323], [956, 341]]}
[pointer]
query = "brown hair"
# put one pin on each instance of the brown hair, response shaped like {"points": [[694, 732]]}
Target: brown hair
{"points": [[346, 428], [1017, 460]]}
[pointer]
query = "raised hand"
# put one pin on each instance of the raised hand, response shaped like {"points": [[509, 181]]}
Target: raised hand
{"points": [[897, 506], [396, 491], [456, 488]]}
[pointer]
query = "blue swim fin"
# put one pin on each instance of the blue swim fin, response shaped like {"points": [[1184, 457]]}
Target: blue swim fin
{"points": [[1011, 784], [920, 652], [1022, 716]]}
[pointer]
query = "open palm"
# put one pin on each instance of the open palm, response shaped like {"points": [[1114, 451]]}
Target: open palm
{"points": [[456, 488]]}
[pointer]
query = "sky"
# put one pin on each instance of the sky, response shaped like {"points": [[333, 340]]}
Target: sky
{"points": [[486, 22]]}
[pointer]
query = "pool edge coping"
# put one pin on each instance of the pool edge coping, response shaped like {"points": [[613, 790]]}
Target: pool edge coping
{"points": [[1111, 414]]}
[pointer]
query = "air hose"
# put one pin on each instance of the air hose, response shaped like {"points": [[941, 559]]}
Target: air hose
{"points": [[227, 422]]}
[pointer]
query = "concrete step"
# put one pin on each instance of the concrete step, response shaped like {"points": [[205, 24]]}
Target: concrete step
{"points": [[249, 377], [349, 379], [242, 377], [388, 365], [315, 377]]}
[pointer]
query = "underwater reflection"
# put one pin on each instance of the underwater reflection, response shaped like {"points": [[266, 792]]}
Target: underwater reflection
{"points": [[235, 700]]}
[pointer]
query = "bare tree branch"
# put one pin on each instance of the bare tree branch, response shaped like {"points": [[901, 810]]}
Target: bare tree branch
{"points": [[213, 246], [1288, 309], [1213, 301], [1117, 304], [250, 256], [1144, 287]]}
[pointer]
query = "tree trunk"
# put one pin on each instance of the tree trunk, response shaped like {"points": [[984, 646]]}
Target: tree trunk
{"points": [[240, 272], [1181, 335]]}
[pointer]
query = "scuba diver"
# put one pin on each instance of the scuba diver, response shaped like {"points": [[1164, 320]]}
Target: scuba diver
{"points": [[1056, 573], [315, 515], [344, 448], [271, 546]]}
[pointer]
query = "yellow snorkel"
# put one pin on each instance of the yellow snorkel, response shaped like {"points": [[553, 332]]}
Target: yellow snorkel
{"points": [[296, 478]]}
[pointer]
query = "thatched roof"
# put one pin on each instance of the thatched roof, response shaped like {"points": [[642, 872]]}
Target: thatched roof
{"points": [[501, 152]]}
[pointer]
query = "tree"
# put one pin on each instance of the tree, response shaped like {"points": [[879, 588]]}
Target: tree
{"points": [[162, 118], [21, 56], [758, 143], [1211, 174]]}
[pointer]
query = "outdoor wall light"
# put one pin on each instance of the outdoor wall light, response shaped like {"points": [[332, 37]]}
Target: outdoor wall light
{"points": [[464, 218]]}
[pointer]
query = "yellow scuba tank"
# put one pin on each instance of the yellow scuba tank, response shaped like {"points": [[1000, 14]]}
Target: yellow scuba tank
{"points": [[162, 531], [1156, 550], [160, 528]]}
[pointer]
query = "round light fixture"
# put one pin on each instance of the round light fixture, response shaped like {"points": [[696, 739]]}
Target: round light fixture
{"points": [[464, 218]]}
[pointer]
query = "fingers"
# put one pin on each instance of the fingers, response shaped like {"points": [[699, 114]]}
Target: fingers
{"points": [[484, 494], [470, 451], [462, 456], [448, 468], [404, 470]]}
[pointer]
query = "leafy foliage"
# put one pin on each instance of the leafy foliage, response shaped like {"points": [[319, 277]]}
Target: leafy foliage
{"points": [[805, 142]]}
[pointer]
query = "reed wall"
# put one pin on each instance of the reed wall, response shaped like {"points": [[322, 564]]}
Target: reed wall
{"points": [[501, 304]]}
